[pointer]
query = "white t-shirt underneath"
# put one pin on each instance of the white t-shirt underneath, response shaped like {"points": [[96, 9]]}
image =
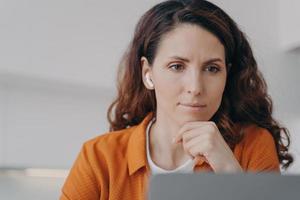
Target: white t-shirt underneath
{"points": [[187, 167]]}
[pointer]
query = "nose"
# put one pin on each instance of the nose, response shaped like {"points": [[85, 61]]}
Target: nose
{"points": [[195, 85]]}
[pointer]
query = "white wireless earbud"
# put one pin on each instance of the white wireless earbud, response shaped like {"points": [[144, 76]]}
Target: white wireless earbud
{"points": [[148, 80]]}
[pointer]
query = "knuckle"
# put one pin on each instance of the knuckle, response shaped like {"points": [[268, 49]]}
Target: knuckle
{"points": [[213, 124], [211, 129]]}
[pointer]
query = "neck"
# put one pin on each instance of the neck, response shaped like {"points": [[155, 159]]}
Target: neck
{"points": [[165, 153]]}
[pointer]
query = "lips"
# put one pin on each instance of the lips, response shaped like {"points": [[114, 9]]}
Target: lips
{"points": [[193, 107], [193, 104]]}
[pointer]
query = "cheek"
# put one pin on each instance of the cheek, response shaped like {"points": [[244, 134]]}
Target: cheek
{"points": [[166, 90], [215, 92], [166, 84]]}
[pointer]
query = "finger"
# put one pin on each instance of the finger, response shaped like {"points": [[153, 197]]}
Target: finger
{"points": [[198, 140], [196, 150], [191, 125], [194, 133], [190, 134], [187, 127]]}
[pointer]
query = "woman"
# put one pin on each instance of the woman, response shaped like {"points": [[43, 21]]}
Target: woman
{"points": [[191, 99]]}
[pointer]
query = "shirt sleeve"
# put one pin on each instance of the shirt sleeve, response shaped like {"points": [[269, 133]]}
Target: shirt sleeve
{"points": [[262, 154], [81, 182]]}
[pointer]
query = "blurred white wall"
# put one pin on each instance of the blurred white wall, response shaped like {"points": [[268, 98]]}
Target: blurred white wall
{"points": [[46, 123], [77, 41], [289, 24], [58, 67], [2, 122]]}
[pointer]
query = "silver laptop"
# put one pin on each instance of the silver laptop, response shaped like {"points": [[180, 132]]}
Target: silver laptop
{"points": [[208, 186]]}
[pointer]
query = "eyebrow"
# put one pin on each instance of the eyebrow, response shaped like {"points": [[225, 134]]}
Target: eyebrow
{"points": [[206, 62]]}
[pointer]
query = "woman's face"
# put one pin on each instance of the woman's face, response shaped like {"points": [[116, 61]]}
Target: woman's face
{"points": [[188, 73]]}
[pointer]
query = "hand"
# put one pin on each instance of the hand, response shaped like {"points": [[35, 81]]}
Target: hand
{"points": [[203, 139]]}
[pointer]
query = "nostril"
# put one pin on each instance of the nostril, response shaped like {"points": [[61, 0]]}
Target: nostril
{"points": [[195, 92]]}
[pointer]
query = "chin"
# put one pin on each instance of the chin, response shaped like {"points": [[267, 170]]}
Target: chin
{"points": [[188, 114]]}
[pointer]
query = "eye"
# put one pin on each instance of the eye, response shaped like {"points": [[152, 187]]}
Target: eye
{"points": [[212, 68], [176, 67]]}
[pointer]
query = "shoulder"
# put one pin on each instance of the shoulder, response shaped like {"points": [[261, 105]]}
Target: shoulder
{"points": [[117, 141], [256, 139], [255, 135], [257, 150], [109, 142], [99, 155], [99, 159]]}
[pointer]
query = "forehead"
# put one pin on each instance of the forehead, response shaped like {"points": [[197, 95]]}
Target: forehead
{"points": [[190, 41]]}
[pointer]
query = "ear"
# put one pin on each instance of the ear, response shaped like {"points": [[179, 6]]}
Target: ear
{"points": [[146, 72]]}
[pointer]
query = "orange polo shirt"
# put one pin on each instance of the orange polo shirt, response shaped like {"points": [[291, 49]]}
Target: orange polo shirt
{"points": [[114, 165]]}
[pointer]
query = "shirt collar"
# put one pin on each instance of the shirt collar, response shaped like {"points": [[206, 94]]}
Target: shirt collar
{"points": [[136, 151]]}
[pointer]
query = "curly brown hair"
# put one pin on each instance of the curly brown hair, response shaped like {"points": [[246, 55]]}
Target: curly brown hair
{"points": [[245, 99]]}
